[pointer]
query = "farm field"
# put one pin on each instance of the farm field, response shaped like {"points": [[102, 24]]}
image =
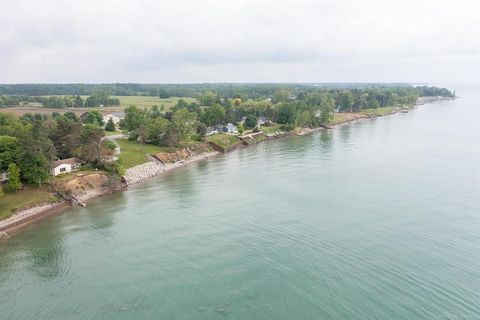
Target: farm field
{"points": [[125, 101]]}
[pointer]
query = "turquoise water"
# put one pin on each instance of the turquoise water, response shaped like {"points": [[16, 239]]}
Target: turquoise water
{"points": [[379, 219]]}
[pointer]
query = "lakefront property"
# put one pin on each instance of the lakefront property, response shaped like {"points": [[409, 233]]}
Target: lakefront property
{"points": [[129, 146], [239, 160]]}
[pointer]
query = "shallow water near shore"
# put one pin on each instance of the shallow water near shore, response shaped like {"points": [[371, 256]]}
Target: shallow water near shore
{"points": [[379, 219]]}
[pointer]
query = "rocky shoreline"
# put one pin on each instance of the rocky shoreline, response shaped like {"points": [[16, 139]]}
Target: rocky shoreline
{"points": [[151, 169]]}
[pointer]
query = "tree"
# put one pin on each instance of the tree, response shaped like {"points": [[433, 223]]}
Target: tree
{"points": [[78, 102], [66, 137], [327, 106], [156, 130], [142, 135], [345, 100], [13, 183], [155, 112], [110, 125], [92, 149], [305, 119], [201, 130], [208, 98], [240, 128], [134, 118], [35, 151], [372, 102], [93, 117], [172, 136], [183, 122], [213, 115], [286, 113], [281, 95], [8, 151], [71, 116], [250, 121]]}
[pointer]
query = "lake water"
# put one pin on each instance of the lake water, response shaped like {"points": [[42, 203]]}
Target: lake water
{"points": [[379, 219]]}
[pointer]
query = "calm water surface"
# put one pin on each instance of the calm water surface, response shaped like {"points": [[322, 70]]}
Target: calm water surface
{"points": [[379, 219]]}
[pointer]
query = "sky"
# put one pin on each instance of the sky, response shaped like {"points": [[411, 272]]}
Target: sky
{"points": [[189, 41]]}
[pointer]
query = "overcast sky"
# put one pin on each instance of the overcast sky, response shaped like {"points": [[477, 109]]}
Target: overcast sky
{"points": [[188, 41]]}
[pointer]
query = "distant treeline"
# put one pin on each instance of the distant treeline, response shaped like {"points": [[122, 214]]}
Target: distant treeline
{"points": [[228, 90], [75, 101], [363, 95], [425, 91]]}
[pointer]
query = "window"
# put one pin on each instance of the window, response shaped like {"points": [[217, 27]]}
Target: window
{"points": [[63, 169]]}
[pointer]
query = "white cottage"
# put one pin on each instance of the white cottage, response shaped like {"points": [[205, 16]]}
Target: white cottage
{"points": [[116, 117], [66, 166], [3, 176]]}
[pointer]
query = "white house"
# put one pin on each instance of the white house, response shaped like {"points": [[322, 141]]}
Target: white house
{"points": [[231, 128], [3, 176], [263, 120], [211, 130], [116, 117], [66, 166]]}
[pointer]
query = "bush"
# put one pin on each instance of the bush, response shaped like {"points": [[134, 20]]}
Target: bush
{"points": [[113, 168], [13, 183], [110, 125], [287, 127]]}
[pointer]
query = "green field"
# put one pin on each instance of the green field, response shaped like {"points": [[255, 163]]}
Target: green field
{"points": [[139, 101], [132, 154], [223, 140], [147, 101], [24, 199], [142, 101]]}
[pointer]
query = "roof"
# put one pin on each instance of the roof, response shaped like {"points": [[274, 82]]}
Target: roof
{"points": [[116, 114], [70, 161]]}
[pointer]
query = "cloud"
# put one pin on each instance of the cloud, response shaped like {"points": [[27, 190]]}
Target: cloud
{"points": [[239, 41]]}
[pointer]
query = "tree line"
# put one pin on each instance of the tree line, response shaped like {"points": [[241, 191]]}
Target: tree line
{"points": [[97, 99], [229, 90]]}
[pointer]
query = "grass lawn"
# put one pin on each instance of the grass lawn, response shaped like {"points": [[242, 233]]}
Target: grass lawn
{"points": [[340, 118], [131, 154], [73, 175], [380, 111], [271, 129], [111, 133], [223, 140], [24, 199]]}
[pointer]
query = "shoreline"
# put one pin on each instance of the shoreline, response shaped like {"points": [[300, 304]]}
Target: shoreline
{"points": [[151, 168]]}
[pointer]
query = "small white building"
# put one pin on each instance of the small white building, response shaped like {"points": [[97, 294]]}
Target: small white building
{"points": [[211, 130], [66, 166], [116, 117], [3, 176], [263, 120], [231, 128]]}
